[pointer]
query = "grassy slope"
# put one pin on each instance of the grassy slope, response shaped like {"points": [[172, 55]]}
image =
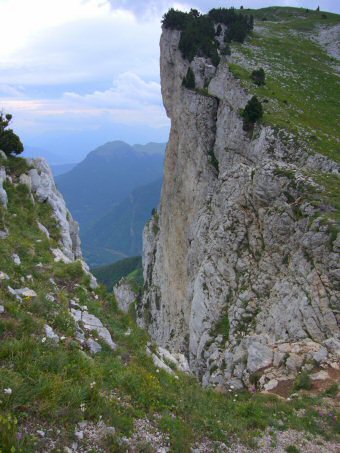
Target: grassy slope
{"points": [[50, 382], [301, 94]]}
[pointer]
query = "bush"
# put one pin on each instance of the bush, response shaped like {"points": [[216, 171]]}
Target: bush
{"points": [[189, 80], [10, 143], [258, 77], [303, 382], [253, 112], [292, 449]]}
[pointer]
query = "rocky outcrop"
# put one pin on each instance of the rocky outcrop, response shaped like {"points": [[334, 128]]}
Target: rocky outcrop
{"points": [[124, 295], [41, 183], [242, 272], [3, 194]]}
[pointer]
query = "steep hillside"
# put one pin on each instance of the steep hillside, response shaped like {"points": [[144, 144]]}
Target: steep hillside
{"points": [[111, 274], [119, 232], [106, 177], [242, 263], [77, 375]]}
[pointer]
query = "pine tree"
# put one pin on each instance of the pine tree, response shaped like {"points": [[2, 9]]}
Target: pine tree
{"points": [[253, 111], [10, 143]]}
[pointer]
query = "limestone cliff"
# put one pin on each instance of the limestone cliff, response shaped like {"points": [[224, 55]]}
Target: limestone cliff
{"points": [[241, 272]]}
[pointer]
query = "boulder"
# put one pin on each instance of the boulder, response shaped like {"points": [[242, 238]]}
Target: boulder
{"points": [[259, 356], [93, 346], [51, 334]]}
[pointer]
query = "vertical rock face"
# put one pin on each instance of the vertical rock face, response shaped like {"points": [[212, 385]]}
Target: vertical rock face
{"points": [[40, 182], [241, 274]]}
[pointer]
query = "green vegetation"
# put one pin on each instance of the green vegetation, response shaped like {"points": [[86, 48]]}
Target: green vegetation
{"points": [[292, 449], [301, 87], [213, 160], [10, 143], [238, 25], [301, 90], [221, 327], [111, 274], [332, 391], [189, 80], [198, 30], [258, 77], [252, 112], [303, 381]]}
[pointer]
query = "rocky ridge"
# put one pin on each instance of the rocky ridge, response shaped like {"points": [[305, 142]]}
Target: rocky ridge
{"points": [[241, 269]]}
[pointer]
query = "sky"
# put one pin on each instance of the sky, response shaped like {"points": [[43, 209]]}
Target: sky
{"points": [[78, 73]]}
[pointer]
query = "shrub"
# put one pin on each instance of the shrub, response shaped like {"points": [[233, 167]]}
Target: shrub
{"points": [[332, 391], [292, 449], [10, 143], [253, 112], [303, 382], [258, 77], [189, 80]]}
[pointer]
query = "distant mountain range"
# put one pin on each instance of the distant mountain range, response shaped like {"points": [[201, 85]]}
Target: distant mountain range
{"points": [[61, 169], [111, 193], [119, 232]]}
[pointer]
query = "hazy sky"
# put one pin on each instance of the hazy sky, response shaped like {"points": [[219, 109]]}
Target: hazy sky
{"points": [[77, 73]]}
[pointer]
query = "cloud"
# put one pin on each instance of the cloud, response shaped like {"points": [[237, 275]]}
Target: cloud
{"points": [[129, 101], [81, 65], [149, 7]]}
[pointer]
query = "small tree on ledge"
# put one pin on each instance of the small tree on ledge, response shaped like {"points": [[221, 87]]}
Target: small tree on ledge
{"points": [[252, 112], [10, 143]]}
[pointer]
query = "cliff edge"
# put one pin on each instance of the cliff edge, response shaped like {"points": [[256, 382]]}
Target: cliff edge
{"points": [[241, 269]]}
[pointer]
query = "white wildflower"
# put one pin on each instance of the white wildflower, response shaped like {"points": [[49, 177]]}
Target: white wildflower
{"points": [[8, 391]]}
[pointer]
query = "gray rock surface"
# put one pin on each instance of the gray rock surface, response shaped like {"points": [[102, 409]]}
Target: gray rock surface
{"points": [[42, 185], [49, 332], [124, 294], [16, 259], [43, 229], [3, 276], [22, 292], [241, 273], [93, 324], [3, 193], [93, 346]]}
